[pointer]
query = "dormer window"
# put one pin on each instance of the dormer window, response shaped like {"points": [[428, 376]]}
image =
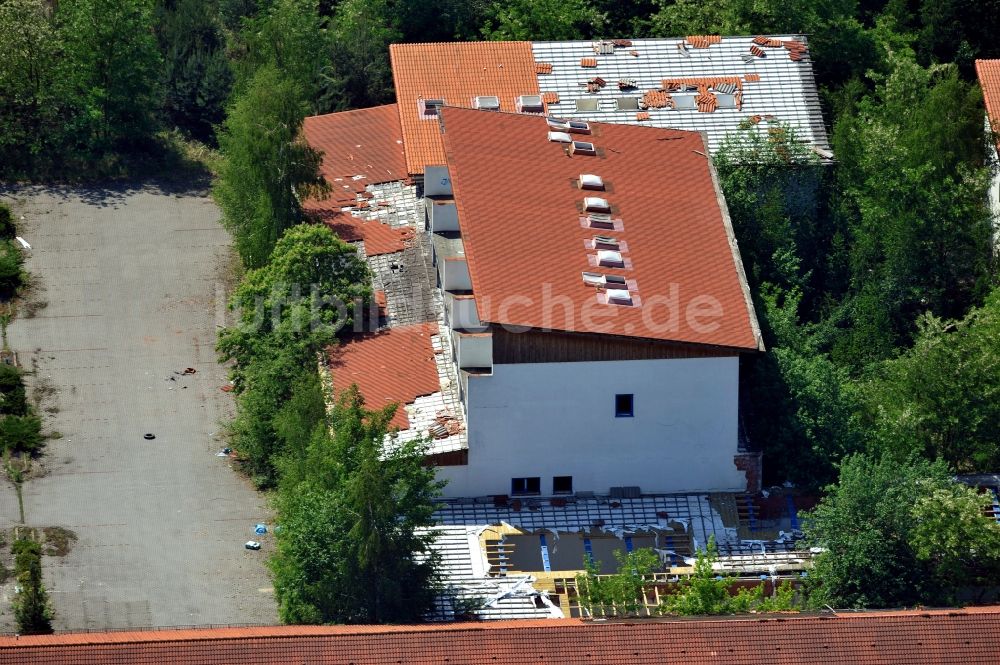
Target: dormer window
{"points": [[596, 204], [607, 242], [560, 137], [600, 280], [600, 220], [619, 297], [429, 108], [583, 148], [610, 258], [530, 104], [591, 181], [487, 103]]}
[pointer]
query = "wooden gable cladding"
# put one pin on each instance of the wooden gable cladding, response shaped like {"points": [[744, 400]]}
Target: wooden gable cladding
{"points": [[540, 346]]}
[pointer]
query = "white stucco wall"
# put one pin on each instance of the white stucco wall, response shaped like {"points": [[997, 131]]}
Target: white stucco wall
{"points": [[558, 419], [442, 216]]}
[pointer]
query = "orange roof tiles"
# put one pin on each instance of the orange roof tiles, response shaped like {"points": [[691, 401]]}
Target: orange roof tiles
{"points": [[543, 67], [951, 637], [456, 72], [588, 62], [520, 219], [989, 80], [703, 41], [379, 238], [394, 366], [751, 78], [366, 142], [550, 97]]}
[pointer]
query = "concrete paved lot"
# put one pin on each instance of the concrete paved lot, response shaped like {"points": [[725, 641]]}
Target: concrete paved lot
{"points": [[132, 278]]}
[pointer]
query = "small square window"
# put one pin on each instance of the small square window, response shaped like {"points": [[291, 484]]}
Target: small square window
{"points": [[624, 406], [587, 105], [562, 485], [525, 486]]}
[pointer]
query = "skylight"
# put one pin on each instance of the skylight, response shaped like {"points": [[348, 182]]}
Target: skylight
{"points": [[530, 104], [583, 148], [560, 137], [609, 257], [596, 204], [429, 108], [579, 127], [619, 297], [487, 103], [606, 242], [591, 181]]}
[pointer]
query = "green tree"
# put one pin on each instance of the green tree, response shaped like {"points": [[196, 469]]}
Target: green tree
{"points": [[20, 433], [112, 62], [290, 36], [941, 398], [267, 168], [14, 400], [542, 20], [196, 74], [912, 177], [289, 310], [354, 545], [705, 592], [866, 524], [31, 605], [620, 594], [360, 34], [33, 104], [953, 533]]}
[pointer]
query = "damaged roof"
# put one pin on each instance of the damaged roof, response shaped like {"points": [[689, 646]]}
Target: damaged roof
{"points": [[393, 366], [702, 83], [359, 148], [947, 637], [456, 73], [528, 241]]}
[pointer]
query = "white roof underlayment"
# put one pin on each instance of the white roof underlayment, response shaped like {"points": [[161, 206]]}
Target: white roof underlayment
{"points": [[786, 90]]}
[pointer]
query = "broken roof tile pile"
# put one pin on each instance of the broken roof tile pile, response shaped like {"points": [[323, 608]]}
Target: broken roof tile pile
{"points": [[361, 150], [780, 83], [989, 80], [945, 637], [456, 73], [526, 233]]}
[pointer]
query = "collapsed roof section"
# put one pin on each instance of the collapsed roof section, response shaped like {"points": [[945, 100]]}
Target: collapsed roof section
{"points": [[596, 228]]}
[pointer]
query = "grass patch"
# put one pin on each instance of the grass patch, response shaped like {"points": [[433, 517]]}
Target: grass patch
{"points": [[57, 541]]}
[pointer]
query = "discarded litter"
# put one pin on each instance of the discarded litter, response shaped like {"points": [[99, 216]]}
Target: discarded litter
{"points": [[252, 545], [189, 370], [24, 243], [224, 452], [260, 529], [149, 436]]}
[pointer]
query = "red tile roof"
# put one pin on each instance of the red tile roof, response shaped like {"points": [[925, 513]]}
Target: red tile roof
{"points": [[456, 72], [394, 366], [379, 238], [366, 142], [989, 81], [519, 209], [953, 637]]}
